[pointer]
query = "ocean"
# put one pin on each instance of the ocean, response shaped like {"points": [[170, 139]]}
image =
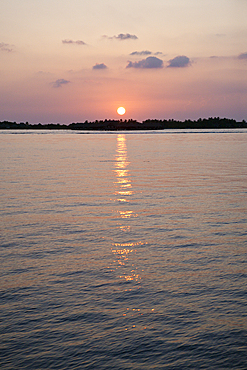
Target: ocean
{"points": [[123, 250]]}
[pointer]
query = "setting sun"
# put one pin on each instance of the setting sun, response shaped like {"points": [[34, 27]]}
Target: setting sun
{"points": [[121, 110]]}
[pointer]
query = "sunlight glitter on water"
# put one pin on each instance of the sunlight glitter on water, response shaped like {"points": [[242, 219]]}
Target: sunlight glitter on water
{"points": [[151, 279]]}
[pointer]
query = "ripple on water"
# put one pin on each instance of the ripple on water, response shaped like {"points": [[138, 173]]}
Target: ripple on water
{"points": [[123, 251]]}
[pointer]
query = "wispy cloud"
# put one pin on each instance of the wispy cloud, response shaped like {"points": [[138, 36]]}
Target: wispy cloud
{"points": [[78, 42], [179, 62], [5, 47], [144, 52], [149, 62], [60, 82], [122, 36], [242, 56], [99, 66]]}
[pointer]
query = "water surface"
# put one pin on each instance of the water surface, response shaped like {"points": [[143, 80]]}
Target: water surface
{"points": [[123, 250]]}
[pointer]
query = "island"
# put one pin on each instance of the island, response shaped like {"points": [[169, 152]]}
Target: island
{"points": [[130, 124]]}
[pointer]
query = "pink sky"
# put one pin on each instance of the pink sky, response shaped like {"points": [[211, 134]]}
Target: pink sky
{"points": [[71, 61]]}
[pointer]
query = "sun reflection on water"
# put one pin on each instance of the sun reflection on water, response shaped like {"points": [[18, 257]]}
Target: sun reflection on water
{"points": [[125, 262], [122, 254], [123, 182]]}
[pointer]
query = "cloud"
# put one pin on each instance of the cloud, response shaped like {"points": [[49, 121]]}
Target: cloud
{"points": [[100, 66], [149, 62], [122, 36], [179, 62], [242, 56], [60, 82], [126, 36], [144, 52], [5, 47], [78, 42]]}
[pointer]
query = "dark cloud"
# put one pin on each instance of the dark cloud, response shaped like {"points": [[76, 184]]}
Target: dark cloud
{"points": [[100, 66], [179, 62], [60, 82], [242, 56], [149, 62], [144, 52], [5, 47], [78, 42], [126, 36], [122, 36]]}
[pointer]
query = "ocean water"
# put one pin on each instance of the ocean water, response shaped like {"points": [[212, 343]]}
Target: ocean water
{"points": [[123, 250]]}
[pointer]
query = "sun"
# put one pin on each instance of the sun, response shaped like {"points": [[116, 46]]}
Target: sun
{"points": [[121, 110]]}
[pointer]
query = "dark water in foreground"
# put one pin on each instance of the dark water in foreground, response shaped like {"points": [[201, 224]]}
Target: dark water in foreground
{"points": [[123, 251]]}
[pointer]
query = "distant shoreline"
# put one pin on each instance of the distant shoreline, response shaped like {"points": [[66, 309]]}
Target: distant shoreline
{"points": [[128, 125]]}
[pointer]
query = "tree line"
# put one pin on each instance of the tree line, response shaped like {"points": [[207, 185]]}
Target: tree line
{"points": [[130, 124]]}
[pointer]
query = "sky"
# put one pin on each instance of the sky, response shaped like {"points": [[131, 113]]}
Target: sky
{"points": [[65, 61]]}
